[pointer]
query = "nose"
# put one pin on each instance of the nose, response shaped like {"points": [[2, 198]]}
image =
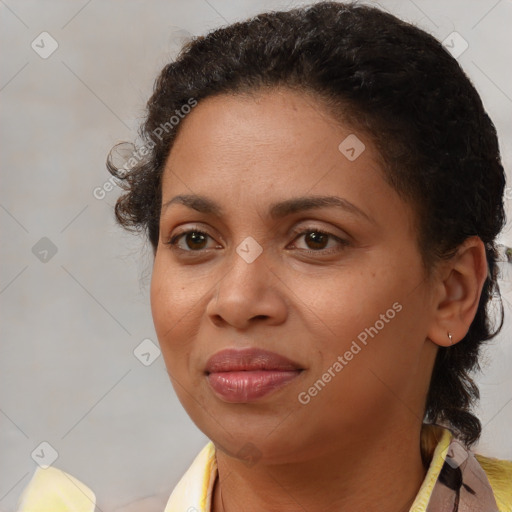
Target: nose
{"points": [[249, 291]]}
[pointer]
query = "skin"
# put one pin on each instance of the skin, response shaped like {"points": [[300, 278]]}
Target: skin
{"points": [[355, 445]]}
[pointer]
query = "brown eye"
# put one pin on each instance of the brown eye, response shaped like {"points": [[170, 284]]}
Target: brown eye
{"points": [[317, 239], [194, 240]]}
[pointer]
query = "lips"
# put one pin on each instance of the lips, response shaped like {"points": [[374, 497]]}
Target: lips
{"points": [[233, 360], [249, 374]]}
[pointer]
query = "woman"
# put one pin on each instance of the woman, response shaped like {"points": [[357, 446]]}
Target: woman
{"points": [[322, 190]]}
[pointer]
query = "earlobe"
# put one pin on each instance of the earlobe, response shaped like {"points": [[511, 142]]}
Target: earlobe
{"points": [[460, 289]]}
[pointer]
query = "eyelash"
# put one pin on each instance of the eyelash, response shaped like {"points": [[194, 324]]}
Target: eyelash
{"points": [[172, 242]]}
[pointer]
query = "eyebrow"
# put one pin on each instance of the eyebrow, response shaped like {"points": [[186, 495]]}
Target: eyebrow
{"points": [[277, 210]]}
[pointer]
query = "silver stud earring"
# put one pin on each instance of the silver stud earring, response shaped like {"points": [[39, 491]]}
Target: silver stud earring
{"points": [[450, 337]]}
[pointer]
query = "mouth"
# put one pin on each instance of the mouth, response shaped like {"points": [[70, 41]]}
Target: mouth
{"points": [[242, 376]]}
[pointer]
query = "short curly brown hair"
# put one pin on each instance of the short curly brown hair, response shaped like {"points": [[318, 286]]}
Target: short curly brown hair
{"points": [[391, 80]]}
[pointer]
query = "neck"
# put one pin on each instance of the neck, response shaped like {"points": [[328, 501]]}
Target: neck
{"points": [[377, 473]]}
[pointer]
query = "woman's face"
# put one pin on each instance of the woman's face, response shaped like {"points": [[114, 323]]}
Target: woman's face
{"points": [[349, 310]]}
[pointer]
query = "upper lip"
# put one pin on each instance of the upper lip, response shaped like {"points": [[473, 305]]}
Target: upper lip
{"points": [[249, 359]]}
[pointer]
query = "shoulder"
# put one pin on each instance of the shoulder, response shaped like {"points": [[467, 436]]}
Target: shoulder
{"points": [[58, 491], [55, 490], [499, 474]]}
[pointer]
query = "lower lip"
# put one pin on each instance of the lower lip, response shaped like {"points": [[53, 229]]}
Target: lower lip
{"points": [[248, 386]]}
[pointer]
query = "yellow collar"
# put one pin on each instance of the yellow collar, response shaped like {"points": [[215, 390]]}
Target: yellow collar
{"points": [[53, 489], [194, 491]]}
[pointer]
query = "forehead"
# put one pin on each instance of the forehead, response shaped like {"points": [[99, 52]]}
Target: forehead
{"points": [[253, 151], [277, 133], [247, 159]]}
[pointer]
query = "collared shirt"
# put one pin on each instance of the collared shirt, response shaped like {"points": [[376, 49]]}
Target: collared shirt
{"points": [[457, 480]]}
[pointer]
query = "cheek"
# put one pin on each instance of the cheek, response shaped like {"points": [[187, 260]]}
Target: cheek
{"points": [[161, 294], [349, 301], [367, 318], [170, 303], [176, 322]]}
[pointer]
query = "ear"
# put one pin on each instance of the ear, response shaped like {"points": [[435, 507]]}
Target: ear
{"points": [[461, 280]]}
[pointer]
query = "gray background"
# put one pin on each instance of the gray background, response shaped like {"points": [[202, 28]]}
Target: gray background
{"points": [[72, 320]]}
